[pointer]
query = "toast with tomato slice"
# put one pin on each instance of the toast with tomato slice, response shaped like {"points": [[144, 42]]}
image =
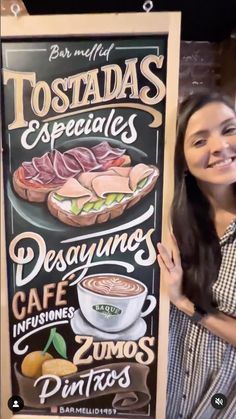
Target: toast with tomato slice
{"points": [[34, 180]]}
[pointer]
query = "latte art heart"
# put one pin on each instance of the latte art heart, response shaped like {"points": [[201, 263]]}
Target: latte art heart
{"points": [[113, 285]]}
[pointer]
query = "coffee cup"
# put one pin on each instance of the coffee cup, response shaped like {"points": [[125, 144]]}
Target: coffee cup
{"points": [[113, 302]]}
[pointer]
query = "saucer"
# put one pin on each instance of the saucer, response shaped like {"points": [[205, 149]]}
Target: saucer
{"points": [[80, 326]]}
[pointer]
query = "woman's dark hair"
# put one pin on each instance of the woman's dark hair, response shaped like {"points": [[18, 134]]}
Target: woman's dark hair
{"points": [[192, 221]]}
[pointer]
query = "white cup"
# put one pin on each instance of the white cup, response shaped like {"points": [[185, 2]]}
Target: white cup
{"points": [[113, 313]]}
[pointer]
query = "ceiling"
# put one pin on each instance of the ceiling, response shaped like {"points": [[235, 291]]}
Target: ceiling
{"points": [[202, 20]]}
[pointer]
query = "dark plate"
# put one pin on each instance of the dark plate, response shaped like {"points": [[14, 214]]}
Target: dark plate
{"points": [[37, 214]]}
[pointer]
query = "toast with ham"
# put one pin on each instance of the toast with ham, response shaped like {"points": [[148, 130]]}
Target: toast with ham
{"points": [[34, 180], [96, 197]]}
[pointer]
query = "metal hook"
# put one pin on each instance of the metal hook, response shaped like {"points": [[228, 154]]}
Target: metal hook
{"points": [[148, 6], [15, 9]]}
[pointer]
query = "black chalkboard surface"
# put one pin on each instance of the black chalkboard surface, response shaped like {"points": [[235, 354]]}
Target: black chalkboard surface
{"points": [[84, 128]]}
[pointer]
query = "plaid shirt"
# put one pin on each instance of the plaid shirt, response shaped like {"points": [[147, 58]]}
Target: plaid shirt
{"points": [[201, 364]]}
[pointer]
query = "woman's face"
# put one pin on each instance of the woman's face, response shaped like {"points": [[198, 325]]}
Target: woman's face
{"points": [[210, 144]]}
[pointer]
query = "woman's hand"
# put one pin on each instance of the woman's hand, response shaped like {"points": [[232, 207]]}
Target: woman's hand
{"points": [[170, 265]]}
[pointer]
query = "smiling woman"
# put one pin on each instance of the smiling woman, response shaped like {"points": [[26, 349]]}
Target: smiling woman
{"points": [[200, 269], [210, 144]]}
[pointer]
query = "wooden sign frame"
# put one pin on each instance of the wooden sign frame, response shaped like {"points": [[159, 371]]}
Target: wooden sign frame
{"points": [[132, 25]]}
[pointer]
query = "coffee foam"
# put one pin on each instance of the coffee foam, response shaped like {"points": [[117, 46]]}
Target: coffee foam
{"points": [[113, 285]]}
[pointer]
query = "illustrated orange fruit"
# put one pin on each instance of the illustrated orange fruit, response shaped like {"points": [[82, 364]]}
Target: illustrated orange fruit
{"points": [[59, 367], [32, 363]]}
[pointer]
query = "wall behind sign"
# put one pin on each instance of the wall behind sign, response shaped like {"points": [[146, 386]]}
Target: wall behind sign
{"points": [[205, 65]]}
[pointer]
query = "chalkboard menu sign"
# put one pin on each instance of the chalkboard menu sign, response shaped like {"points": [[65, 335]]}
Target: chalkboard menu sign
{"points": [[85, 175]]}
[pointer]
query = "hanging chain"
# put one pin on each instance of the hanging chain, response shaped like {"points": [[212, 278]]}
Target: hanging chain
{"points": [[148, 6]]}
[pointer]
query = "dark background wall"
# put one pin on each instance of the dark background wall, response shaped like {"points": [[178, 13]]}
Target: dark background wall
{"points": [[208, 65], [202, 20]]}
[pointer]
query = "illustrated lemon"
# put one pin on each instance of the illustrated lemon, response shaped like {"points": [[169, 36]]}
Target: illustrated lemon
{"points": [[32, 363]]}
